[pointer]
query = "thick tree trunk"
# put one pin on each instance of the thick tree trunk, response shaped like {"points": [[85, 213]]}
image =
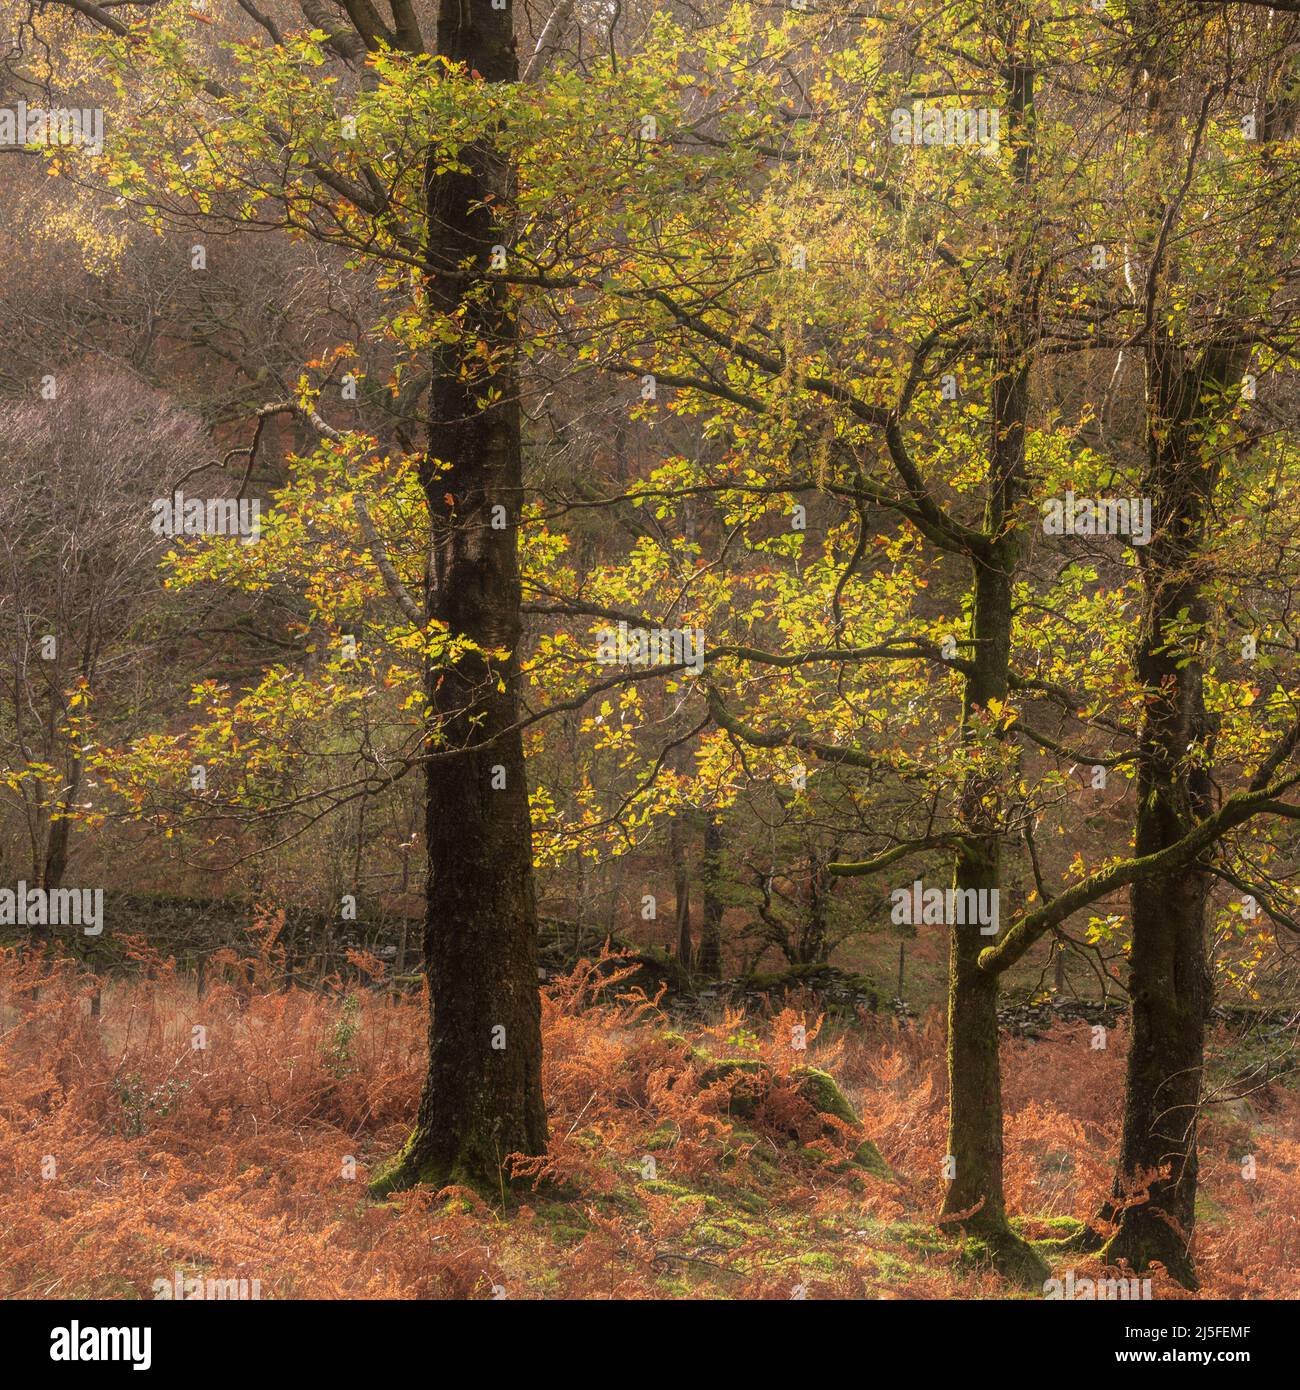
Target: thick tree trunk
{"points": [[1168, 973], [1169, 987], [1168, 970], [482, 1097], [1154, 1197]]}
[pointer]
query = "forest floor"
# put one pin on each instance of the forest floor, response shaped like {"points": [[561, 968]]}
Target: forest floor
{"points": [[135, 1147]]}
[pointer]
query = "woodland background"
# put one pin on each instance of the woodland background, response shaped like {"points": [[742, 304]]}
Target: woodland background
{"points": [[662, 289]]}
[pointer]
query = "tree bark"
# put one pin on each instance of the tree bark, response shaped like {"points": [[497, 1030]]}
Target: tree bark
{"points": [[1168, 972], [975, 1197], [482, 1098], [814, 948], [681, 887], [710, 959]]}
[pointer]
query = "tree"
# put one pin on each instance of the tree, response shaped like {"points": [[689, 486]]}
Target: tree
{"points": [[437, 212], [84, 463], [1195, 366], [822, 378]]}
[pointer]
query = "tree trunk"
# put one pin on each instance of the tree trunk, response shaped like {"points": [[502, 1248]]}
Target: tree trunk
{"points": [[681, 888], [482, 1098], [58, 843], [1169, 989], [975, 1193], [974, 1197], [1169, 979], [814, 948], [1168, 974], [710, 960]]}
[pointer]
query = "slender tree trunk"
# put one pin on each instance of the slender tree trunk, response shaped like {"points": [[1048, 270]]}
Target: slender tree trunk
{"points": [[710, 960], [681, 888], [975, 1195], [810, 946], [482, 1098], [58, 842], [56, 854]]}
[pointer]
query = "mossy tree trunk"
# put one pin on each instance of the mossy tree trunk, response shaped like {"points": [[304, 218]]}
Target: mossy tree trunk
{"points": [[1168, 972], [814, 945], [1191, 387], [482, 1098], [974, 1197], [710, 958], [677, 831]]}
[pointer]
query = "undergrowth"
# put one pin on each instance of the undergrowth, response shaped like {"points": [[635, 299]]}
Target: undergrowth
{"points": [[134, 1146]]}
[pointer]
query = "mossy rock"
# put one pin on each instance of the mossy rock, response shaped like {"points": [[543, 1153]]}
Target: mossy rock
{"points": [[716, 1068], [869, 1158], [817, 1087], [840, 989], [655, 967], [820, 1090], [749, 1077]]}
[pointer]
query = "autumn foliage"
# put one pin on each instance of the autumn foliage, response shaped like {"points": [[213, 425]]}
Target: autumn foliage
{"points": [[130, 1152]]}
